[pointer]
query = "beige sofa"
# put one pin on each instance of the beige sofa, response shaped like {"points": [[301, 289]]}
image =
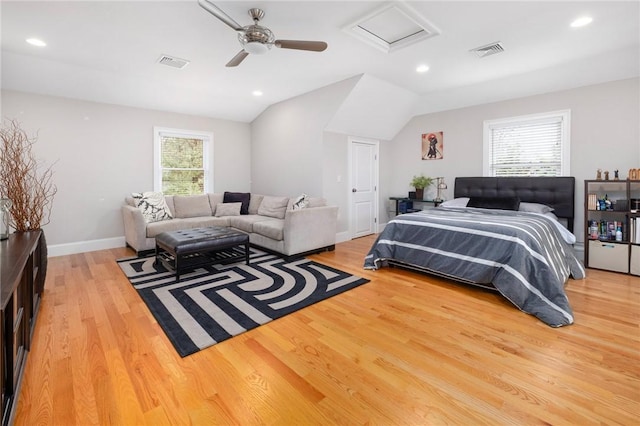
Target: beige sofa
{"points": [[271, 222]]}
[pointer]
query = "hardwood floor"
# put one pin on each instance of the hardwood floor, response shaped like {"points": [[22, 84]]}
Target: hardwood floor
{"points": [[403, 349]]}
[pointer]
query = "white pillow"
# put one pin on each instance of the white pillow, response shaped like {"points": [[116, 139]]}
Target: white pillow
{"points": [[456, 202], [153, 206], [228, 209], [301, 202], [534, 208]]}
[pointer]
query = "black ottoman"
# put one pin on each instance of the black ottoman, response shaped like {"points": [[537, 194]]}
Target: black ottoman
{"points": [[189, 248]]}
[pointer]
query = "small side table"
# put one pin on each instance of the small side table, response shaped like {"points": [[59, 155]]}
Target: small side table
{"points": [[399, 200]]}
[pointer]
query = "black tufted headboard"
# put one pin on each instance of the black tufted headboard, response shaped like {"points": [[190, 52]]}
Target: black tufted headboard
{"points": [[556, 192]]}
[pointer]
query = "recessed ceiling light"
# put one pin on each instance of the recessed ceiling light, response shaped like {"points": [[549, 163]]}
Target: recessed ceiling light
{"points": [[257, 93], [581, 22], [422, 68], [36, 42]]}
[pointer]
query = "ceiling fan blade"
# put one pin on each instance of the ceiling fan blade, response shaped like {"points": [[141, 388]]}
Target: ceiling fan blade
{"points": [[235, 61], [315, 46], [218, 13]]}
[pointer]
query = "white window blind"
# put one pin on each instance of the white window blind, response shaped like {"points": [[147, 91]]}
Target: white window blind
{"points": [[534, 145]]}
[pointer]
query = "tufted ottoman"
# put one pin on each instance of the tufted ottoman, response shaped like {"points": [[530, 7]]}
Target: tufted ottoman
{"points": [[189, 248]]}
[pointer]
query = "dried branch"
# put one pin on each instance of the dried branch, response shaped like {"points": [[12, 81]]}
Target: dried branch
{"points": [[31, 192]]}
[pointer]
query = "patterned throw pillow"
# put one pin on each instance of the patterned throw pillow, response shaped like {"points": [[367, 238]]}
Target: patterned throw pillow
{"points": [[152, 205], [301, 202]]}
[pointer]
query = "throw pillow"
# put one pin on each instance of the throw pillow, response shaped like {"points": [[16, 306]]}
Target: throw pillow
{"points": [[238, 197], [301, 202], [152, 205], [534, 208], [273, 207], [501, 203], [456, 202], [228, 209]]}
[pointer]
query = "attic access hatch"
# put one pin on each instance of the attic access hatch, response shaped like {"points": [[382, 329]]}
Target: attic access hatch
{"points": [[392, 27]]}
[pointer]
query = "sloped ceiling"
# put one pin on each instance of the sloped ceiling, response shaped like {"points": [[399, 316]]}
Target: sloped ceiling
{"points": [[374, 108]]}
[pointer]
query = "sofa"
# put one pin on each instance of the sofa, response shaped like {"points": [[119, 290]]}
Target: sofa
{"points": [[283, 225]]}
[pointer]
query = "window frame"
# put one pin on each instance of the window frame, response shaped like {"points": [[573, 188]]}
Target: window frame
{"points": [[207, 146], [565, 138]]}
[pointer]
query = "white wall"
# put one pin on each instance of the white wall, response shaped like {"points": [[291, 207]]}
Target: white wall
{"points": [[287, 142], [103, 152], [335, 163], [605, 133]]}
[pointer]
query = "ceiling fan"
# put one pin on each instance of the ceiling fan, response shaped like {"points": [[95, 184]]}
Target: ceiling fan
{"points": [[255, 38]]}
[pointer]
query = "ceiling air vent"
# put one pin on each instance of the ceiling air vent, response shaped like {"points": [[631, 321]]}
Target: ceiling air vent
{"points": [[172, 61], [487, 50]]}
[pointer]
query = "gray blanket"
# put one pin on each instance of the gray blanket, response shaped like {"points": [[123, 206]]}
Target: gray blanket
{"points": [[523, 255]]}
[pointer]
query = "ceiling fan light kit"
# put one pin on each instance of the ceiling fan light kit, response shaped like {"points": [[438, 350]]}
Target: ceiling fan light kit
{"points": [[256, 48], [256, 39]]}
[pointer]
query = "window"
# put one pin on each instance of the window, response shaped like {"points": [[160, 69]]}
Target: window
{"points": [[181, 161], [531, 145]]}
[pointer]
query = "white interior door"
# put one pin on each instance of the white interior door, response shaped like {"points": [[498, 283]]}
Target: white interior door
{"points": [[364, 187]]}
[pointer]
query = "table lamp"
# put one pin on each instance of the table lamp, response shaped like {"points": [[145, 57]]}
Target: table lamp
{"points": [[440, 185]]}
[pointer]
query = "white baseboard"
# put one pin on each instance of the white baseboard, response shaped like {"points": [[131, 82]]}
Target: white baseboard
{"points": [[84, 246], [341, 237]]}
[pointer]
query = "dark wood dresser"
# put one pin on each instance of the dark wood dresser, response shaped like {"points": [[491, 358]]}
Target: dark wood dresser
{"points": [[21, 285]]}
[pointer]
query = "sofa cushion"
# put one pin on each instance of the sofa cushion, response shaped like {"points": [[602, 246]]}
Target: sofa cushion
{"points": [[275, 207], [272, 228], [254, 203], [316, 202], [234, 197], [228, 209], [245, 223], [152, 205], [172, 208], [192, 205], [214, 199]]}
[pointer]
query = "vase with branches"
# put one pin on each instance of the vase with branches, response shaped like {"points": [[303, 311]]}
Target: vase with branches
{"points": [[23, 180]]}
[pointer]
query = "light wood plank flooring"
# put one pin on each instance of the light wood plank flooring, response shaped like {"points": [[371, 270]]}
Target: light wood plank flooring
{"points": [[403, 349]]}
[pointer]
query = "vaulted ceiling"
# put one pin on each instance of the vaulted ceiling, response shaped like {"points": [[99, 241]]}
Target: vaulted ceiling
{"points": [[108, 51]]}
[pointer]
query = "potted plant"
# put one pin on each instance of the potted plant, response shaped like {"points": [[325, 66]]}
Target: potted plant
{"points": [[420, 183]]}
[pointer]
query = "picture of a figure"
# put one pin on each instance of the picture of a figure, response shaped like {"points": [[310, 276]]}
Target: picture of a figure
{"points": [[432, 146]]}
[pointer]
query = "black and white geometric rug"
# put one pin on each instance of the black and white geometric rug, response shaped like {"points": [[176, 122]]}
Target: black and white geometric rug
{"points": [[214, 303]]}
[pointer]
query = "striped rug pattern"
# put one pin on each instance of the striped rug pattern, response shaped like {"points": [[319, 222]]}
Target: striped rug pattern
{"points": [[214, 303]]}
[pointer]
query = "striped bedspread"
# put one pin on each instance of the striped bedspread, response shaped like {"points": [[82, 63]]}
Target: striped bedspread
{"points": [[522, 254]]}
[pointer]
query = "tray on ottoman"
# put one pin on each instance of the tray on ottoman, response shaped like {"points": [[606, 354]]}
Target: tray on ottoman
{"points": [[186, 249]]}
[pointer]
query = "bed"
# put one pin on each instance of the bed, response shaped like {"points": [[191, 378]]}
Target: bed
{"points": [[524, 253]]}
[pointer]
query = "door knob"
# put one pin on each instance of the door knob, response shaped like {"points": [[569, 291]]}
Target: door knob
{"points": [[354, 190]]}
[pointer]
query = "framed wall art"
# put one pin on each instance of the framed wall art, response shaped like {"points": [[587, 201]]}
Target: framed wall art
{"points": [[433, 146]]}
